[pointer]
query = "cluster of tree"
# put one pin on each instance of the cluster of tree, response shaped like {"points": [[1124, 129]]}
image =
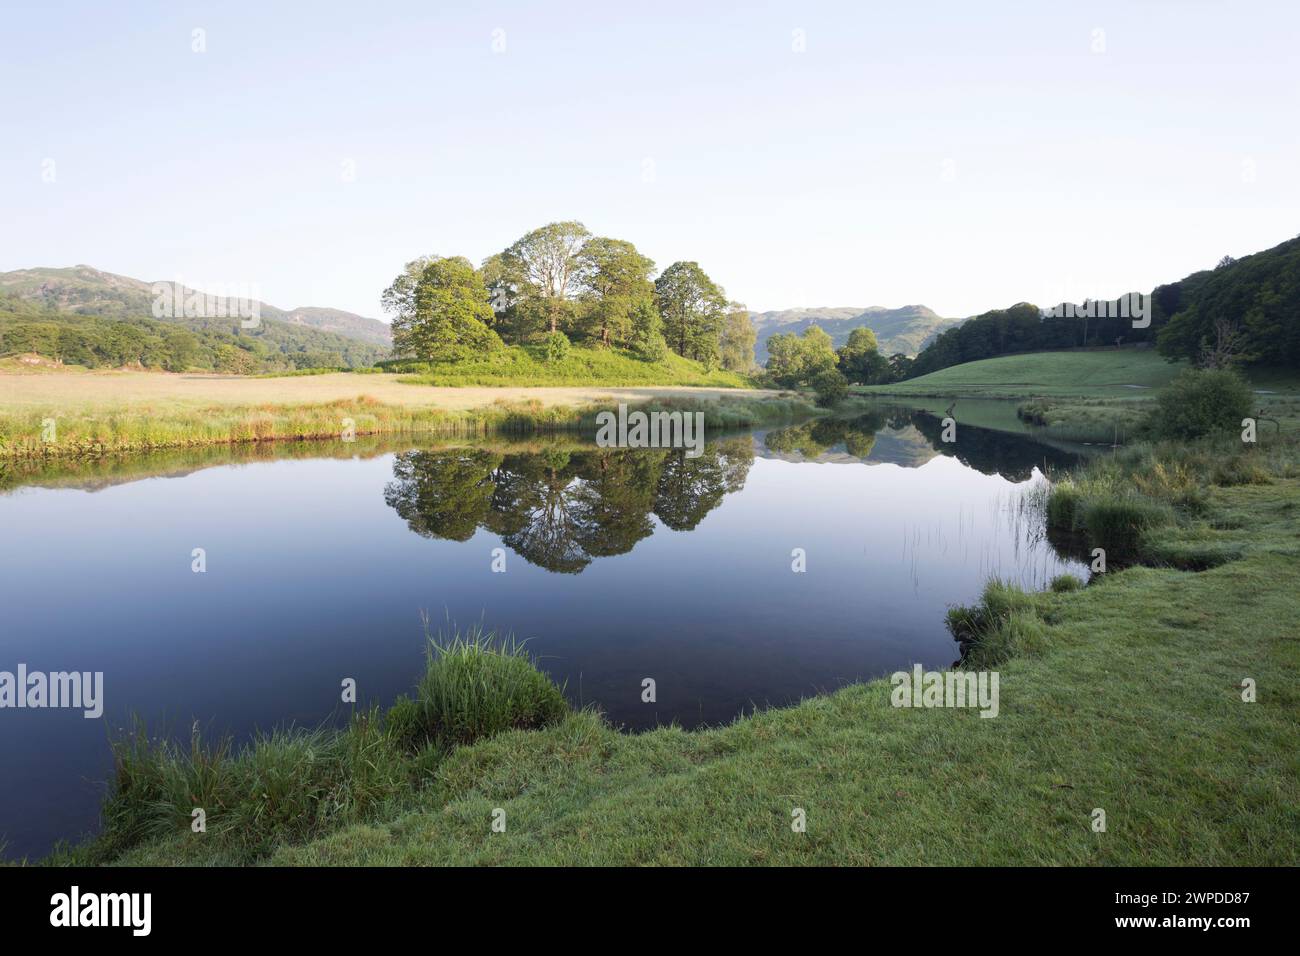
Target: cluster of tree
{"points": [[1243, 312], [561, 510], [560, 280], [811, 360], [1246, 311], [1025, 328], [101, 342], [990, 452]]}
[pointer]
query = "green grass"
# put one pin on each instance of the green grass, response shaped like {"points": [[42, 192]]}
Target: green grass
{"points": [[92, 433], [1104, 373], [294, 784], [527, 365], [474, 687], [1078, 396]]}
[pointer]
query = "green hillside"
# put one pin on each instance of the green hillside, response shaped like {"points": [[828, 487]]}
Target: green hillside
{"points": [[96, 341], [1097, 373], [302, 337], [528, 365]]}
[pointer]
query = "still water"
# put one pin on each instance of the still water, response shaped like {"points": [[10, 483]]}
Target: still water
{"points": [[619, 565]]}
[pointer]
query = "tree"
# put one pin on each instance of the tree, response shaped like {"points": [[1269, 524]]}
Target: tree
{"points": [[614, 279], [443, 313], [860, 358], [794, 361], [647, 339], [544, 267], [1200, 402], [831, 387], [900, 367], [736, 343], [692, 306], [399, 297]]}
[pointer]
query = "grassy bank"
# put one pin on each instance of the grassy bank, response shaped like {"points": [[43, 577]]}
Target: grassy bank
{"points": [[1082, 396], [1123, 695], [528, 365], [86, 433]]}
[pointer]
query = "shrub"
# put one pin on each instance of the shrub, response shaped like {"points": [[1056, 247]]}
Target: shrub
{"points": [[1065, 582], [1200, 402], [1118, 523], [1003, 624], [1062, 504], [831, 388], [477, 686], [649, 345], [557, 347]]}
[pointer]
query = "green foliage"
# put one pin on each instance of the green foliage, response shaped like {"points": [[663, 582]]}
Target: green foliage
{"points": [[1064, 583], [860, 360], [795, 361], [1200, 402], [736, 342], [476, 686], [831, 388], [442, 313], [1258, 296], [95, 341], [615, 287], [692, 307], [538, 278], [557, 347], [647, 339]]}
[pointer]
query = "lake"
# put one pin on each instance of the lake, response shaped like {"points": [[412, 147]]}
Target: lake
{"points": [[322, 561]]}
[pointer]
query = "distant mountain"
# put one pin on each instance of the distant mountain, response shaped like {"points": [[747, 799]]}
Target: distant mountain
{"points": [[88, 291], [347, 324], [908, 329]]}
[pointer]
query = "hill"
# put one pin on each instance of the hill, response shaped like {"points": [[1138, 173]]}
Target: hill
{"points": [[907, 329], [1077, 372], [1248, 309], [85, 291]]}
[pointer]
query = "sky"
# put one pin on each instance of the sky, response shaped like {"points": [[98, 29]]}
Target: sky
{"points": [[965, 156]]}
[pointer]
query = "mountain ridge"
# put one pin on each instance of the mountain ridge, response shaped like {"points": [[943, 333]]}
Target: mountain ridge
{"points": [[906, 329], [86, 290]]}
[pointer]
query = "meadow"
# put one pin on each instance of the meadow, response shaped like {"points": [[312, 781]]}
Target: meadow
{"points": [[97, 413], [1083, 373]]}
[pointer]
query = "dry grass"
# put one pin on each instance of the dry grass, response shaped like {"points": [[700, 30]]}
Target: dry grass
{"points": [[71, 390]]}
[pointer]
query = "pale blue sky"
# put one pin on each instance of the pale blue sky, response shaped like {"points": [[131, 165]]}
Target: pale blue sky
{"points": [[961, 155]]}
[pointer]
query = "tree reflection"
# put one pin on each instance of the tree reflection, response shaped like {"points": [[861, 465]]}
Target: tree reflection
{"points": [[560, 510]]}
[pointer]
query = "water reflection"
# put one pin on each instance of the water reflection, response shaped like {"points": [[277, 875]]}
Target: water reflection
{"points": [[561, 508], [313, 573]]}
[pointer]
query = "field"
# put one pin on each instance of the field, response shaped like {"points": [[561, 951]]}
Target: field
{"points": [[1091, 396], [98, 412], [116, 389], [1103, 373]]}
